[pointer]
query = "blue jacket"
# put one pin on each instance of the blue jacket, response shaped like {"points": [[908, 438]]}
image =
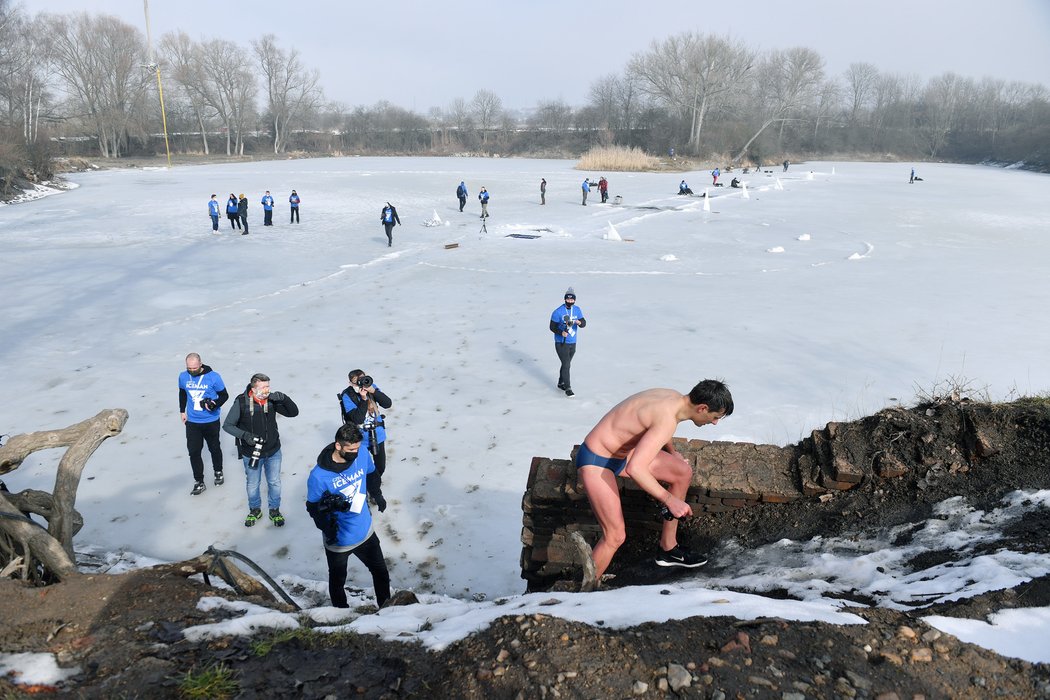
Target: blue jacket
{"points": [[267, 202], [213, 207], [192, 390], [561, 320], [353, 526], [355, 410], [231, 205], [461, 191], [294, 201], [484, 196], [586, 186]]}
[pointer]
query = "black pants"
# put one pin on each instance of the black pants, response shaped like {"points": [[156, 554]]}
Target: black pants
{"points": [[379, 457], [370, 553], [462, 203], [244, 220], [267, 217], [196, 435], [235, 220], [565, 352], [389, 226], [295, 215]]}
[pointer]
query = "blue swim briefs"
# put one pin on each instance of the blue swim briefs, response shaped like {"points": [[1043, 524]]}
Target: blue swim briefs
{"points": [[586, 457]]}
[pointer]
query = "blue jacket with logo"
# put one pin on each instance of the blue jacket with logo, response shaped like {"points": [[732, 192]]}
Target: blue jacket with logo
{"points": [[192, 390], [213, 207], [561, 320], [267, 202], [350, 481]]}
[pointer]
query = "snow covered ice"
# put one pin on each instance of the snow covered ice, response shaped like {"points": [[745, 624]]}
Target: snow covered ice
{"points": [[877, 289]]}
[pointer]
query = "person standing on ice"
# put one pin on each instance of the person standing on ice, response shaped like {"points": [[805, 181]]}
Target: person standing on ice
{"points": [[201, 394], [585, 188], [603, 189], [232, 211], [293, 200], [461, 195], [635, 439], [714, 176], [390, 219], [337, 491], [543, 190], [483, 197], [253, 421], [267, 202], [213, 212], [242, 212], [566, 320]]}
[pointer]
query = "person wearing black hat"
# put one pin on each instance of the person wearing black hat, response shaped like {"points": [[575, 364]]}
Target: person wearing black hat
{"points": [[566, 320], [293, 201]]}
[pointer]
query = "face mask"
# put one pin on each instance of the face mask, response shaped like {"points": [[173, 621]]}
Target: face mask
{"points": [[349, 456]]}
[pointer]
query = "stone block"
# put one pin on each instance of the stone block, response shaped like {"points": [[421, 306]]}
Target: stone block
{"points": [[889, 467]]}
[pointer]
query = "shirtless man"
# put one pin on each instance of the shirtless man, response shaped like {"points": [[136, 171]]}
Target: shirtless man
{"points": [[634, 439]]}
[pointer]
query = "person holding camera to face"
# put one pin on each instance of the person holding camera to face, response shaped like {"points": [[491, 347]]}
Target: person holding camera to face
{"points": [[565, 323], [360, 403], [201, 394], [253, 421], [337, 493]]}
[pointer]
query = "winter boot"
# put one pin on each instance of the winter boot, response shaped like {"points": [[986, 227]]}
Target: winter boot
{"points": [[276, 518], [253, 516], [219, 480]]}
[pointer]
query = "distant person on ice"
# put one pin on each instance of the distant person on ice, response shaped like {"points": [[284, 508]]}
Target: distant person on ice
{"points": [[683, 188], [543, 190], [233, 211], [585, 188], [390, 219], [483, 197], [337, 493], [914, 178], [566, 320], [634, 439], [242, 212], [735, 183], [714, 176], [293, 201], [201, 394], [213, 212], [786, 164], [461, 195], [603, 189], [267, 202]]}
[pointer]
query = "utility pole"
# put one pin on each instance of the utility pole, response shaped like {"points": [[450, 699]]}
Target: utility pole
{"points": [[160, 89]]}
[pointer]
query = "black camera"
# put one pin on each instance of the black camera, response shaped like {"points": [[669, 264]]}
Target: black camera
{"points": [[209, 404], [253, 458], [333, 502], [364, 381]]}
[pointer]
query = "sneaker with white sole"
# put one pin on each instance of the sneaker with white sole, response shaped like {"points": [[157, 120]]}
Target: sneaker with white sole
{"points": [[680, 557], [198, 488], [219, 480]]}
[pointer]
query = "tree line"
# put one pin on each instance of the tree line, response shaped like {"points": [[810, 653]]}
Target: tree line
{"points": [[84, 84]]}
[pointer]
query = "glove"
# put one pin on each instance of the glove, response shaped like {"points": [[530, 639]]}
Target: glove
{"points": [[380, 501], [276, 396], [209, 404]]}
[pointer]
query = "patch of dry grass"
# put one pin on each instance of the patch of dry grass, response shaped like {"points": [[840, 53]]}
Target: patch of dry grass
{"points": [[617, 159]]}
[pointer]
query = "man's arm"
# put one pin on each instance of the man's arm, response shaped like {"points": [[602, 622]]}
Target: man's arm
{"points": [[230, 424], [222, 396], [381, 399], [284, 405], [183, 400], [639, 467]]}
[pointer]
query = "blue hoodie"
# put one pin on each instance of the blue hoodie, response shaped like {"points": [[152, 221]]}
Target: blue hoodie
{"points": [[207, 385], [213, 207], [267, 202], [353, 526]]}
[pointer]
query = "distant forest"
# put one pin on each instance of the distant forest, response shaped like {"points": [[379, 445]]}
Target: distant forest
{"points": [[85, 85]]}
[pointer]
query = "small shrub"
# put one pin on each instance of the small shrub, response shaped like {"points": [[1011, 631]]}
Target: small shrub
{"points": [[617, 159], [214, 683]]}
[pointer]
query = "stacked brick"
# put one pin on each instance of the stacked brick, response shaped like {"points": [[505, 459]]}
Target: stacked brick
{"points": [[726, 476]]}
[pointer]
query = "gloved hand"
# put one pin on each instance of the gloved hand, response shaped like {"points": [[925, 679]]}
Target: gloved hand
{"points": [[209, 404], [276, 397], [380, 501]]}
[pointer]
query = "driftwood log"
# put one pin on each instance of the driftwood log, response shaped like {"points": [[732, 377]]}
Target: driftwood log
{"points": [[53, 548], [228, 572]]}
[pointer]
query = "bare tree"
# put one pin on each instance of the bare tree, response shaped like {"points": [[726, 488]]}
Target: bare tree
{"points": [[486, 107], [939, 110], [693, 75], [552, 115], [184, 58], [26, 66], [100, 61], [228, 88], [861, 80], [785, 82], [617, 99], [292, 91]]}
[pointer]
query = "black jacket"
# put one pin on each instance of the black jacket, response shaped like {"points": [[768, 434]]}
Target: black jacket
{"points": [[247, 420], [358, 414], [242, 207]]}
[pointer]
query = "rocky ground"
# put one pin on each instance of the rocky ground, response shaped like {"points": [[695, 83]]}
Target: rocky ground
{"points": [[124, 632]]}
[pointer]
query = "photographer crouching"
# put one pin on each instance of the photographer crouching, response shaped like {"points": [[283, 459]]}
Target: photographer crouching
{"points": [[360, 403], [336, 500], [253, 421]]}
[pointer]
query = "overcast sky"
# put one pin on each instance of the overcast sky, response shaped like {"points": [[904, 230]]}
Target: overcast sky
{"points": [[422, 54]]}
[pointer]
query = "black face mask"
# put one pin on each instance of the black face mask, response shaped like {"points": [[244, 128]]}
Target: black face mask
{"points": [[349, 456], [196, 372]]}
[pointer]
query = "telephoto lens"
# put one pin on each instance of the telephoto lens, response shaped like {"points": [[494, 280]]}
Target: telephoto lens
{"points": [[364, 381], [253, 461]]}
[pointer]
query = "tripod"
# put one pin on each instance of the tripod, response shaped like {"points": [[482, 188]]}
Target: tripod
{"points": [[484, 229]]}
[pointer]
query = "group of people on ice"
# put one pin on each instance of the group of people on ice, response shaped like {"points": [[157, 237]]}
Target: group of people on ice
{"points": [[237, 211]]}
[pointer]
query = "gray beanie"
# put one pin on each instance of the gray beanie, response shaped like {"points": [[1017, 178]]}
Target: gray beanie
{"points": [[570, 293]]}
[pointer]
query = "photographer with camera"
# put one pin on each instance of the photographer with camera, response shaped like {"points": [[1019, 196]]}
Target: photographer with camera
{"points": [[360, 403], [336, 500], [565, 322], [201, 394], [253, 421]]}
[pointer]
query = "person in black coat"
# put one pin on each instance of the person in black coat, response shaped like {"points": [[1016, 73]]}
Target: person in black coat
{"points": [[242, 212], [390, 219], [360, 403]]}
